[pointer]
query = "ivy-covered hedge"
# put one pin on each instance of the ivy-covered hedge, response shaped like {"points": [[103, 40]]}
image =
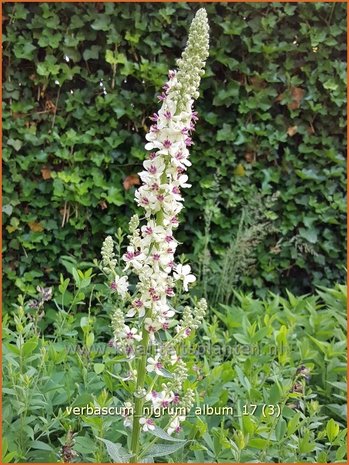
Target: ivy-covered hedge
{"points": [[80, 80]]}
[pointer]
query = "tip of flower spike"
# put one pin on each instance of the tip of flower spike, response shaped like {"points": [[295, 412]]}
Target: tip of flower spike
{"points": [[192, 61], [201, 12]]}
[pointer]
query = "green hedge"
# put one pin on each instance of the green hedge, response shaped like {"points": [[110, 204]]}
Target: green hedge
{"points": [[80, 80]]}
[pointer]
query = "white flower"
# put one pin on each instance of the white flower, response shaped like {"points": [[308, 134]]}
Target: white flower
{"points": [[120, 285], [131, 334], [182, 181], [183, 272], [175, 425], [152, 395], [165, 313], [180, 159], [148, 424], [133, 257], [152, 232], [155, 167], [138, 305], [127, 414], [160, 399], [152, 327], [128, 422], [154, 365]]}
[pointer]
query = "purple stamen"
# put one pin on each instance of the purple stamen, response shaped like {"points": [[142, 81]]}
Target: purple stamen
{"points": [[169, 292], [152, 169], [155, 117], [154, 128]]}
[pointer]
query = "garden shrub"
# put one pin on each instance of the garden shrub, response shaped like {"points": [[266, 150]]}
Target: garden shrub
{"points": [[288, 352], [79, 85]]}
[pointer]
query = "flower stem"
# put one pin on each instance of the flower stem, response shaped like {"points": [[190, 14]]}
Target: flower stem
{"points": [[136, 427], [139, 400]]}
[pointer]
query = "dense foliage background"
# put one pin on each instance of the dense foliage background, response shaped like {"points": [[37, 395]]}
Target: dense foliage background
{"points": [[268, 168], [266, 212]]}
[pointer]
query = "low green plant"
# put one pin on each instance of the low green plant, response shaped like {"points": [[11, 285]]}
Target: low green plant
{"points": [[275, 351]]}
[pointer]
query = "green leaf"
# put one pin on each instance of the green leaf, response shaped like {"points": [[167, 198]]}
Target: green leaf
{"points": [[309, 234], [40, 445], [258, 443], [92, 53], [280, 429], [110, 58], [274, 395], [160, 433], [76, 277], [90, 340], [8, 209], [116, 452], [102, 23], [332, 429], [293, 424], [115, 196], [159, 450], [15, 143], [98, 368], [29, 347]]}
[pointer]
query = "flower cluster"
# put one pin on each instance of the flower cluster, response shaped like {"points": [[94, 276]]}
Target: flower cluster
{"points": [[150, 318]]}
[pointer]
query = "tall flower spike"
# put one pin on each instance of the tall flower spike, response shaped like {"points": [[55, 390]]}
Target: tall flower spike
{"points": [[149, 319], [191, 64]]}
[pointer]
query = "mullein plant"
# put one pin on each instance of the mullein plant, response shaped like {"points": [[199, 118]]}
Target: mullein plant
{"points": [[150, 324]]}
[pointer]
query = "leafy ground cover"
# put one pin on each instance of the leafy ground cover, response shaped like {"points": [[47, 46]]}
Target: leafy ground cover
{"points": [[280, 362]]}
